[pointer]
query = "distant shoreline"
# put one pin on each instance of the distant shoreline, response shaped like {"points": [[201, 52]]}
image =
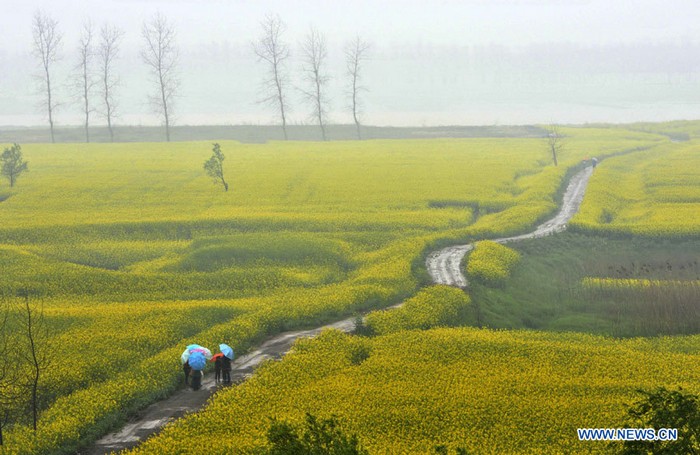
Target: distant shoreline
{"points": [[259, 133], [265, 133]]}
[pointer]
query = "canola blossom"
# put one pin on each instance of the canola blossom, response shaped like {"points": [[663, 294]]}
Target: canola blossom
{"points": [[433, 306], [654, 193], [134, 255], [491, 263], [487, 391]]}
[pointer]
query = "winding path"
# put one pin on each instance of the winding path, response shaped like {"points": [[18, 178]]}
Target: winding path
{"points": [[153, 418], [444, 265], [444, 268]]}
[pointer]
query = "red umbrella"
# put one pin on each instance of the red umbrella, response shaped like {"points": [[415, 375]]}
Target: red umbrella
{"points": [[216, 356]]}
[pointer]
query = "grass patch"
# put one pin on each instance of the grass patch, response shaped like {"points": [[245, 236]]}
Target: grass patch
{"points": [[546, 291]]}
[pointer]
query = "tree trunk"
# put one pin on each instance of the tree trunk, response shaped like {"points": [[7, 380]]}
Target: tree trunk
{"points": [[35, 387], [356, 54], [281, 101], [319, 108], [165, 108], [87, 103], [50, 106], [109, 126], [35, 364], [108, 107], [354, 109]]}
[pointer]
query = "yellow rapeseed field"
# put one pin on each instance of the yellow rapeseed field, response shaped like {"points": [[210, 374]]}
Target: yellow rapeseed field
{"points": [[653, 193], [135, 253], [491, 263], [490, 392]]}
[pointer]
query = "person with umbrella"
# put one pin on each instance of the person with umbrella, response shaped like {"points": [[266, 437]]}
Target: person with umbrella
{"points": [[197, 361], [218, 365], [185, 364], [194, 359], [227, 352]]}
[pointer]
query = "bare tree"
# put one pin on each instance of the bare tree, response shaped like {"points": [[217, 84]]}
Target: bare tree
{"points": [[85, 82], [274, 52], [355, 54], [314, 57], [34, 329], [161, 56], [108, 50], [47, 43], [555, 143]]}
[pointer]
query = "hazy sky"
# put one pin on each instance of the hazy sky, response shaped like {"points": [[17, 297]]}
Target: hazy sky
{"points": [[412, 93], [464, 22]]}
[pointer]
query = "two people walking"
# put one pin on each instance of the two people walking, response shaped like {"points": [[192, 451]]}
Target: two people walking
{"points": [[194, 360]]}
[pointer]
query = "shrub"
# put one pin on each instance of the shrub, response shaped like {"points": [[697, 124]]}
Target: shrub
{"points": [[665, 408], [318, 437]]}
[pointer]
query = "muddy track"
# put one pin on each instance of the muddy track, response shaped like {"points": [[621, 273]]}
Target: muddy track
{"points": [[445, 265], [153, 418], [444, 268]]}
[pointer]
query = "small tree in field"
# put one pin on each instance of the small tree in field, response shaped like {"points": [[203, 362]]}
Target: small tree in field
{"points": [[214, 166], [555, 143], [12, 163], [34, 342]]}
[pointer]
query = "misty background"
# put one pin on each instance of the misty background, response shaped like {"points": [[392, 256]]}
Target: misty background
{"points": [[431, 63]]}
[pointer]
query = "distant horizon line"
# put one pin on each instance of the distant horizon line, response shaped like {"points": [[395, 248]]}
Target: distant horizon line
{"points": [[349, 125]]}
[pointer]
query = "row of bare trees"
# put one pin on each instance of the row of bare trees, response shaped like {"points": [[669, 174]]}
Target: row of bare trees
{"points": [[273, 51], [95, 71], [94, 67]]}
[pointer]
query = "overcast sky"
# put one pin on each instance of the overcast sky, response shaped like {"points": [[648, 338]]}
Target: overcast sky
{"points": [[387, 24], [464, 22]]}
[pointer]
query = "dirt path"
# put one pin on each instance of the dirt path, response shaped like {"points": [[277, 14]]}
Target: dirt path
{"points": [[153, 418], [445, 266]]}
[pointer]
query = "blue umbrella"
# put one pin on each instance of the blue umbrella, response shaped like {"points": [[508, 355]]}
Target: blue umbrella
{"points": [[197, 361], [226, 350], [186, 353]]}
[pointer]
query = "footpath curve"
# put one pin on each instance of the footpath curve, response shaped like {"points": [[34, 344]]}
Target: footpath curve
{"points": [[445, 265], [444, 268], [153, 418]]}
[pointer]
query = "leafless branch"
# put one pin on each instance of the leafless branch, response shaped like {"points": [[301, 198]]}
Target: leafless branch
{"points": [[108, 51], [355, 53], [46, 46], [314, 57], [272, 51], [160, 54], [85, 80], [555, 142]]}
